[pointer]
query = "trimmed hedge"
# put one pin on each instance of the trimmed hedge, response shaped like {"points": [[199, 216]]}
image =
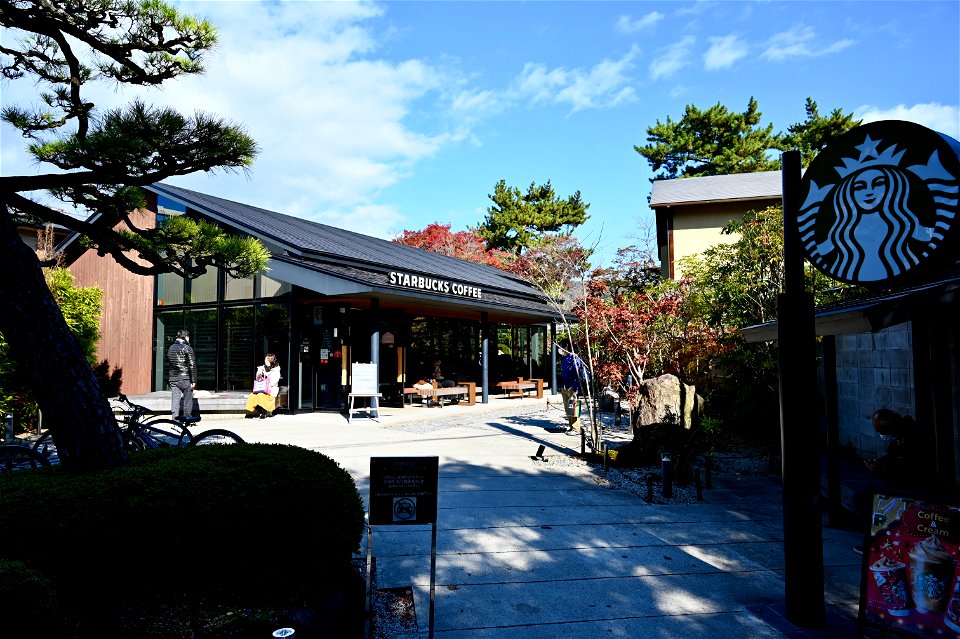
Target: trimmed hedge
{"points": [[254, 524], [29, 601]]}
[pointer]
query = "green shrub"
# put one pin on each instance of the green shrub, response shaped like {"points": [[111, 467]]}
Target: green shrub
{"points": [[248, 523], [30, 602], [81, 309]]}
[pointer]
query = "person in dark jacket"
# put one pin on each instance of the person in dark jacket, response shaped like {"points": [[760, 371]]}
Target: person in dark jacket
{"points": [[906, 462], [437, 376], [182, 376], [573, 374]]}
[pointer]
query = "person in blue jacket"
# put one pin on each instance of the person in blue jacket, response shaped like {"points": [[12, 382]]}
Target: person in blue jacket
{"points": [[573, 375]]}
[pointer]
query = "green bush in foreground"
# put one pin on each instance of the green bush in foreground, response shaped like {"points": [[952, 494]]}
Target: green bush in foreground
{"points": [[248, 524], [29, 600]]}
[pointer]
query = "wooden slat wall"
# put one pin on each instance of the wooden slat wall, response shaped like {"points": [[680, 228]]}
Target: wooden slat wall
{"points": [[126, 325]]}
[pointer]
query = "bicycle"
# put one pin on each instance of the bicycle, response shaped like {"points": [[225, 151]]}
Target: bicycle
{"points": [[140, 429], [20, 456], [216, 436]]}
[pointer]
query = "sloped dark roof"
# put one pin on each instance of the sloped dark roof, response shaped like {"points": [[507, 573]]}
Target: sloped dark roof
{"points": [[325, 242], [319, 250], [717, 188]]}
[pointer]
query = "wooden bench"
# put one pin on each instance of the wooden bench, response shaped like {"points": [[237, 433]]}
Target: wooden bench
{"points": [[521, 386], [283, 399], [471, 392], [446, 392], [408, 391], [415, 392], [467, 388]]}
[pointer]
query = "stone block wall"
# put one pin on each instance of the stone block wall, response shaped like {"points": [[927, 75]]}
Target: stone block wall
{"points": [[874, 370]]}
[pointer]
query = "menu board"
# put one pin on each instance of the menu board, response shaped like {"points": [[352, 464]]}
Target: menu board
{"points": [[364, 379], [911, 577]]}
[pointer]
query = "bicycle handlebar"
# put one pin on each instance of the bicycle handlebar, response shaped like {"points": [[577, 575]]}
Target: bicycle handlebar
{"points": [[132, 408]]}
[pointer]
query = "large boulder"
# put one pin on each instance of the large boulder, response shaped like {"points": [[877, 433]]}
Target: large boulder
{"points": [[665, 400]]}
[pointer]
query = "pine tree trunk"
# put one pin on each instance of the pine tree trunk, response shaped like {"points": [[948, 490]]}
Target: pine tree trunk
{"points": [[51, 362]]}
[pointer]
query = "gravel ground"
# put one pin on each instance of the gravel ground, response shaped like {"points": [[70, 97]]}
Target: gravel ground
{"points": [[394, 613]]}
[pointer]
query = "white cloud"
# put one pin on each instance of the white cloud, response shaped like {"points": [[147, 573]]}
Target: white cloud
{"points": [[697, 8], [942, 118], [799, 43], [673, 58], [303, 78], [626, 24], [604, 85], [538, 83], [476, 101], [724, 52]]}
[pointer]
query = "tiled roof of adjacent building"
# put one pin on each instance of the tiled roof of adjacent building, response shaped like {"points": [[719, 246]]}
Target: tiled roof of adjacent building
{"points": [[717, 188]]}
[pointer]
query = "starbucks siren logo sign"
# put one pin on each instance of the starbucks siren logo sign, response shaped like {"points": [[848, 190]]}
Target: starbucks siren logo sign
{"points": [[881, 203]]}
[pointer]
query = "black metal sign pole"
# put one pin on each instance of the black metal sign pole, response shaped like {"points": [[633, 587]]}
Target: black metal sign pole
{"points": [[799, 431], [368, 617], [433, 574], [403, 491]]}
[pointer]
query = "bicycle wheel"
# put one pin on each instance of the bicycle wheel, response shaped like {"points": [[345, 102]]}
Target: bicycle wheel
{"points": [[216, 436], [165, 433], [46, 447], [16, 457]]}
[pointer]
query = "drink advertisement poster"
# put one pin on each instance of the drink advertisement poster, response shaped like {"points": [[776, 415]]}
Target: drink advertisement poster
{"points": [[910, 580]]}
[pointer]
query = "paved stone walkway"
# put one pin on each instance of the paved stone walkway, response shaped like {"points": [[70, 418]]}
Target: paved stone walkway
{"points": [[535, 549]]}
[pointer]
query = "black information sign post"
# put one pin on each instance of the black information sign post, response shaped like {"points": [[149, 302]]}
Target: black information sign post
{"points": [[877, 207], [796, 343], [403, 491]]}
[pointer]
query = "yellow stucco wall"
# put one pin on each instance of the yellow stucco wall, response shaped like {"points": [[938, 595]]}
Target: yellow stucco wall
{"points": [[695, 231]]}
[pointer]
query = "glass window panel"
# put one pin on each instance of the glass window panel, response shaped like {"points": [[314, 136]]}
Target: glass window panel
{"points": [[273, 335], [168, 323], [540, 356], [169, 289], [506, 357], [168, 208], [204, 288], [238, 289], [521, 352], [237, 351], [270, 287], [202, 324], [170, 286]]}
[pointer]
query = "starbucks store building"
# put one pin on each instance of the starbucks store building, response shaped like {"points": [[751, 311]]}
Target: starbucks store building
{"points": [[332, 297]]}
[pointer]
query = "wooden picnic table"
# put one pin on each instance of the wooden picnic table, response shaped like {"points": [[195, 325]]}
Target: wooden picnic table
{"points": [[469, 389], [521, 386]]}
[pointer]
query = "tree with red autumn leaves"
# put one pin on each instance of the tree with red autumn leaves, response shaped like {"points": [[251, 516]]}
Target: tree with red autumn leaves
{"points": [[647, 332], [465, 245]]}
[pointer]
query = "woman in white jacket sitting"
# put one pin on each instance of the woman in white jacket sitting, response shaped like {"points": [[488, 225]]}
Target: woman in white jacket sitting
{"points": [[263, 399]]}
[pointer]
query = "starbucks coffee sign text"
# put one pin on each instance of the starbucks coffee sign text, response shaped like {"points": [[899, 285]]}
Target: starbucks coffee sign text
{"points": [[426, 283]]}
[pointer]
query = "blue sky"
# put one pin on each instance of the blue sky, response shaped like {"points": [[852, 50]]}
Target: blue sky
{"points": [[380, 117]]}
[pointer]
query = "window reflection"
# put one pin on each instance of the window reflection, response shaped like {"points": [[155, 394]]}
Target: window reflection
{"points": [[270, 287], [237, 288], [237, 349], [204, 288], [169, 289]]}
